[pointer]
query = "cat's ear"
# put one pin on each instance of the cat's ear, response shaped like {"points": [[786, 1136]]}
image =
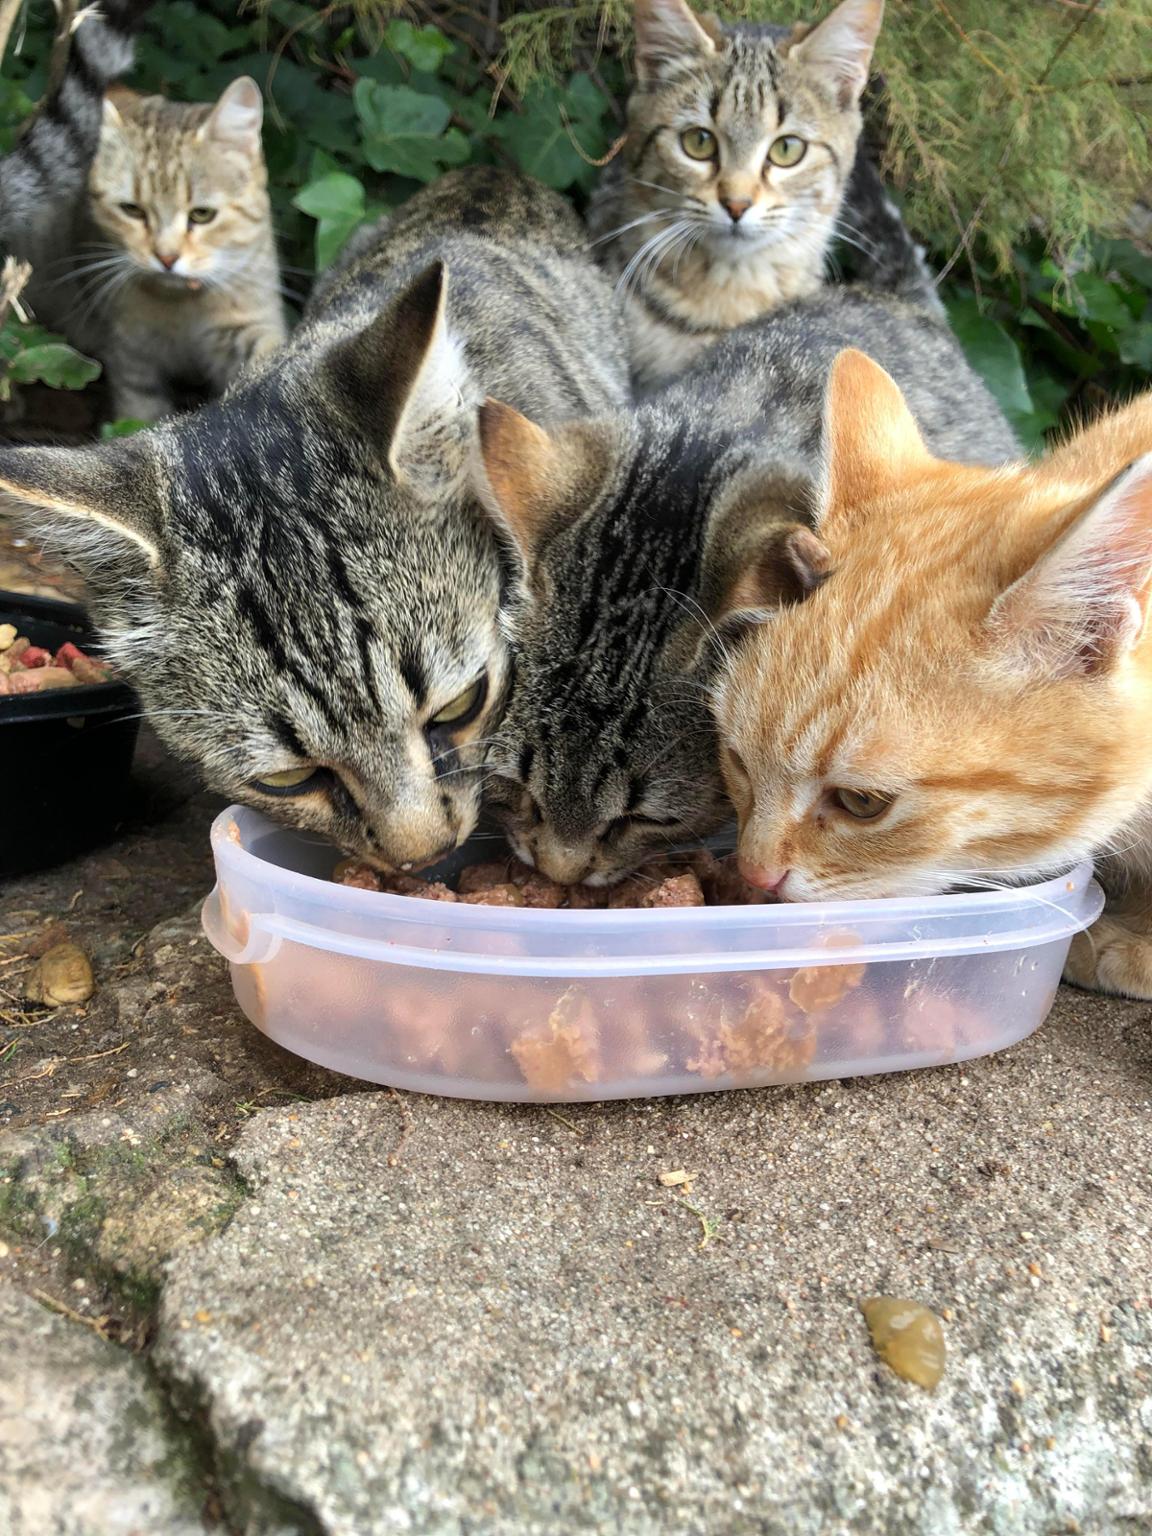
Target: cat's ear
{"points": [[402, 377], [784, 565], [98, 507], [529, 479], [667, 32], [1084, 605], [112, 124], [841, 46], [871, 440], [237, 117]]}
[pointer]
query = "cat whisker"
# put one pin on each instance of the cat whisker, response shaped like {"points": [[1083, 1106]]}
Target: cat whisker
{"points": [[646, 218]]}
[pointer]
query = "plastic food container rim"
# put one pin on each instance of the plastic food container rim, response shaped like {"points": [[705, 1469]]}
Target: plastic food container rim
{"points": [[1084, 903]]}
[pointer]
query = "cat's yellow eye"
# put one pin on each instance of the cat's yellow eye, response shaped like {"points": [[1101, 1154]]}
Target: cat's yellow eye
{"points": [[861, 804], [698, 143], [201, 215], [133, 210], [292, 781], [787, 150], [463, 709]]}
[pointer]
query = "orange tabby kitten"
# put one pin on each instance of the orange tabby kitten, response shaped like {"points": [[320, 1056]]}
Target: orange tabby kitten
{"points": [[967, 697]]}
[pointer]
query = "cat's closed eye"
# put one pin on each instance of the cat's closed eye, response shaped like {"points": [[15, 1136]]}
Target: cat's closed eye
{"points": [[133, 211], [290, 781], [463, 709], [861, 804]]}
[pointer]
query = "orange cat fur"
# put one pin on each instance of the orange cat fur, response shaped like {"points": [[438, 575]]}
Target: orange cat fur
{"points": [[967, 698]]}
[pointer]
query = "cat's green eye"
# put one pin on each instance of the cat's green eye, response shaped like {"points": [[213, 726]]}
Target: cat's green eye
{"points": [[787, 150], [292, 781], [133, 210], [861, 804], [463, 709], [201, 215], [698, 143]]}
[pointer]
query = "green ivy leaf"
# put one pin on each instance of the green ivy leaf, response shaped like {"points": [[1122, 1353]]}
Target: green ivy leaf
{"points": [[125, 427], [547, 137], [339, 205], [406, 132], [1136, 345], [1095, 300], [425, 48], [996, 358], [54, 364]]}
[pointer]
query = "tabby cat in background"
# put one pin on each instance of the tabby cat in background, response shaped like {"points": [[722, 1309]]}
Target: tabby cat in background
{"points": [[169, 272], [642, 529], [726, 197], [967, 699], [297, 578]]}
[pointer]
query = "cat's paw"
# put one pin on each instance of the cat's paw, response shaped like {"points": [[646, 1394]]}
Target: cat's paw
{"points": [[1111, 957]]}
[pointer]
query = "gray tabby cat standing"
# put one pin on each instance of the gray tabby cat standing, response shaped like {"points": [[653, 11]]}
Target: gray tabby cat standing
{"points": [[639, 528], [44, 176], [727, 195], [296, 578]]}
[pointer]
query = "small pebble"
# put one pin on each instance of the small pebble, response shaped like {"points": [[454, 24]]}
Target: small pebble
{"points": [[908, 1337], [62, 975]]}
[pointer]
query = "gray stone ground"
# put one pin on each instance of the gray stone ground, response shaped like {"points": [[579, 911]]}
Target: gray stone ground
{"points": [[86, 1442], [353, 1312]]}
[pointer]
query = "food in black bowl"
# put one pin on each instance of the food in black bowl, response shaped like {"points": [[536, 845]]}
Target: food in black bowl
{"points": [[67, 735]]}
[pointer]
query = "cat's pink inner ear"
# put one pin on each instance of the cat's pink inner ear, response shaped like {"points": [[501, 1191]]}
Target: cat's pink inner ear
{"points": [[871, 440], [523, 470], [1085, 603], [666, 31], [237, 117], [841, 46], [790, 563]]}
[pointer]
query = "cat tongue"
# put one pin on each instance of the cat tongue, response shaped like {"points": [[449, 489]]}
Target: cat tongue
{"points": [[194, 285]]}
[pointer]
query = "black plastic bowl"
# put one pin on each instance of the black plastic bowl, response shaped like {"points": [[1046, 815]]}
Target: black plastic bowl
{"points": [[66, 754]]}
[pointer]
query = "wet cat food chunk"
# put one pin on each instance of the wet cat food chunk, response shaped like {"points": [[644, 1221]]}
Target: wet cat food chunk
{"points": [[505, 895], [565, 1051], [363, 877]]}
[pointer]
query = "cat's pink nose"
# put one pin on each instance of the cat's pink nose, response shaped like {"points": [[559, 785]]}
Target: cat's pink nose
{"points": [[737, 207], [167, 262], [764, 876]]}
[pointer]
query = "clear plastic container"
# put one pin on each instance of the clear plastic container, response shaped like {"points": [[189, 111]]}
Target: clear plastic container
{"points": [[547, 1006]]}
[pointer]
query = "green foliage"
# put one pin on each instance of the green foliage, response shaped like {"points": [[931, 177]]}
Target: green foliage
{"points": [[1056, 344], [1015, 134], [999, 115], [32, 355]]}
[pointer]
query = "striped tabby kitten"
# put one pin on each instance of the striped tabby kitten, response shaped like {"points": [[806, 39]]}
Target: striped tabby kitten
{"points": [[725, 199], [968, 698], [640, 528], [167, 270], [296, 578]]}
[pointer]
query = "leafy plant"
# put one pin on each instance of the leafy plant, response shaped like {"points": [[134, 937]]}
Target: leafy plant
{"points": [[1015, 134]]}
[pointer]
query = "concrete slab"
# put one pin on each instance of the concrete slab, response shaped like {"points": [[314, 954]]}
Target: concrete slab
{"points": [[435, 1317]]}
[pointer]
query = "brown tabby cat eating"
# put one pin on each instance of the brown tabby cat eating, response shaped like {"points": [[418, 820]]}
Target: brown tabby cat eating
{"points": [[726, 197], [967, 698]]}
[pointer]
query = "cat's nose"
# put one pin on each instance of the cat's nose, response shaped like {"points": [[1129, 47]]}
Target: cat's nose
{"points": [[765, 877], [736, 207], [166, 261]]}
